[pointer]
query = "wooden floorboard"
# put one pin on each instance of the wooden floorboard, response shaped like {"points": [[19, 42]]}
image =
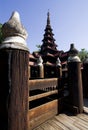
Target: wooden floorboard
{"points": [[67, 121]]}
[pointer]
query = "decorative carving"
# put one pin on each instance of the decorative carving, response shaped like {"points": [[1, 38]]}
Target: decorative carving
{"points": [[73, 54], [40, 61], [14, 33], [58, 62], [14, 27]]}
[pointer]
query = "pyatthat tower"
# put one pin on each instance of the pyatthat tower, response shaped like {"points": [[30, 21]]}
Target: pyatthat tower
{"points": [[49, 50]]}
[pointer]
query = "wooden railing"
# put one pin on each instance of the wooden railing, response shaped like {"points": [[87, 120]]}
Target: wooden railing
{"points": [[28, 99], [45, 98]]}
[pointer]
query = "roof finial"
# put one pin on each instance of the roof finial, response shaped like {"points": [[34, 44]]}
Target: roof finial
{"points": [[14, 33], [73, 54], [48, 18]]}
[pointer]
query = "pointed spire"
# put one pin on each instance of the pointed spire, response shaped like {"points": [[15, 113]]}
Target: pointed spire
{"points": [[48, 49], [14, 33], [48, 18]]}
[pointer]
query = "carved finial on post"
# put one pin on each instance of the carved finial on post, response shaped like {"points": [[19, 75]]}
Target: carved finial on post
{"points": [[73, 54], [14, 33], [14, 61], [75, 80], [58, 62], [40, 61], [58, 68], [41, 67]]}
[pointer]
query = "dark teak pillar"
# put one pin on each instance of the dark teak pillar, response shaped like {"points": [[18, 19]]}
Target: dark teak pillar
{"points": [[85, 77], [75, 80], [14, 59]]}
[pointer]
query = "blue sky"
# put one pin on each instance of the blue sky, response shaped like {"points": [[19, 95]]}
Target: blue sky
{"points": [[69, 20]]}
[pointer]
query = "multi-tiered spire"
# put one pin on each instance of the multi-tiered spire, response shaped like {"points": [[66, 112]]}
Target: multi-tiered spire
{"points": [[49, 50]]}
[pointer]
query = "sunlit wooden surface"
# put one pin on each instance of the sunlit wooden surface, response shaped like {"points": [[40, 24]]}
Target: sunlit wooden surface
{"points": [[67, 121]]}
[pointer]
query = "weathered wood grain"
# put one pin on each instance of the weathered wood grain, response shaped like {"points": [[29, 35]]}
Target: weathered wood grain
{"points": [[59, 124], [55, 126], [47, 126], [73, 121], [18, 97], [42, 109], [42, 113], [66, 121], [41, 119], [42, 83]]}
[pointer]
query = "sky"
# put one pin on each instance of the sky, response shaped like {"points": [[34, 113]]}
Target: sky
{"points": [[69, 20]]}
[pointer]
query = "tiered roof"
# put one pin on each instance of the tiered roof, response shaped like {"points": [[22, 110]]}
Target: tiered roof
{"points": [[49, 50]]}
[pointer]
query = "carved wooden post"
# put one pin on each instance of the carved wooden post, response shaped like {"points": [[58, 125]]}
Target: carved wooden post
{"points": [[75, 80], [14, 59], [58, 68], [59, 76], [85, 77], [41, 67], [29, 68]]}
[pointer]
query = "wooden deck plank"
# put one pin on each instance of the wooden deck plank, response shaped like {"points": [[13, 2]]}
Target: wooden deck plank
{"points": [[47, 126], [39, 128], [75, 121], [83, 117], [59, 124], [67, 121], [81, 122], [56, 127]]}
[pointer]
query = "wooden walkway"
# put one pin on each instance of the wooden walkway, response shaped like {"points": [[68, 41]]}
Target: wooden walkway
{"points": [[66, 121]]}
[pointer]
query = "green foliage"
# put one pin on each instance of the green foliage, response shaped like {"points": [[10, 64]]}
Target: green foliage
{"points": [[38, 46], [83, 54], [1, 37]]}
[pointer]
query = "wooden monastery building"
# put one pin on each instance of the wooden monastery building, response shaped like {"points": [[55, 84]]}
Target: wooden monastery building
{"points": [[39, 86], [48, 50]]}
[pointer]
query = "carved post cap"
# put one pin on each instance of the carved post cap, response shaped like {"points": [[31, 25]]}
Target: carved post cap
{"points": [[58, 62], [40, 61], [73, 54], [14, 33]]}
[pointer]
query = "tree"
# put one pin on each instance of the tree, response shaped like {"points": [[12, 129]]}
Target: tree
{"points": [[83, 54], [39, 47], [1, 37]]}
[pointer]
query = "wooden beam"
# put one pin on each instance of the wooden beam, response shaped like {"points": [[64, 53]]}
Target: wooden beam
{"points": [[41, 118], [42, 83], [42, 113], [42, 109], [45, 94]]}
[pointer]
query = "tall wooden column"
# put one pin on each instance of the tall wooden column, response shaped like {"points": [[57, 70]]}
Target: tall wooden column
{"points": [[75, 80], [85, 78], [14, 59]]}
